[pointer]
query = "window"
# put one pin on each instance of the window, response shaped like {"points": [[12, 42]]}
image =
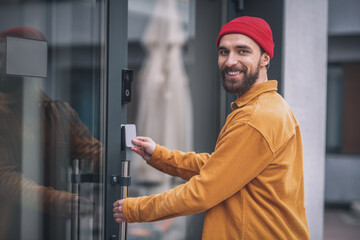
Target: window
{"points": [[343, 110]]}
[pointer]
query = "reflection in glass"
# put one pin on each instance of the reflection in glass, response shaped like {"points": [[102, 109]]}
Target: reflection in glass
{"points": [[51, 160], [162, 108]]}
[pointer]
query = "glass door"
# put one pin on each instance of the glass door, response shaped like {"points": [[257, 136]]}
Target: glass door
{"points": [[60, 114]]}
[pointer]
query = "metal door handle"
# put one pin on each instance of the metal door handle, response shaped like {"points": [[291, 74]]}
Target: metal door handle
{"points": [[125, 166], [124, 180]]}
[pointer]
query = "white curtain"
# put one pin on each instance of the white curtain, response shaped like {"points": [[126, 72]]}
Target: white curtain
{"points": [[164, 108]]}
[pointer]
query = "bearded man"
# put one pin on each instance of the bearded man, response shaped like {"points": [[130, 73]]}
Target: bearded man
{"points": [[252, 185]]}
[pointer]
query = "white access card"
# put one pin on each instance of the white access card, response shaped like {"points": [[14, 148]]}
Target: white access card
{"points": [[130, 134]]}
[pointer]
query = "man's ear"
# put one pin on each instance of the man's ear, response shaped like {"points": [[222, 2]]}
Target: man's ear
{"points": [[265, 59]]}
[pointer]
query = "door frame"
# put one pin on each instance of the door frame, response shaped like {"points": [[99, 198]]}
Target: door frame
{"points": [[115, 115]]}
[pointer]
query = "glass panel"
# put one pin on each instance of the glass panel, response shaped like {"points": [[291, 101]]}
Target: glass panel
{"points": [[158, 38], [176, 93], [51, 132], [334, 108]]}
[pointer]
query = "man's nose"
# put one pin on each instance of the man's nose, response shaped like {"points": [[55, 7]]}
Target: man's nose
{"points": [[231, 60]]}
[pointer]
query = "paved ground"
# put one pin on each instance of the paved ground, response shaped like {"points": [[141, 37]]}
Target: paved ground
{"points": [[342, 223]]}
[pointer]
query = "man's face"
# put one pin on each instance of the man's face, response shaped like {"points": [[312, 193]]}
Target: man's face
{"points": [[239, 62]]}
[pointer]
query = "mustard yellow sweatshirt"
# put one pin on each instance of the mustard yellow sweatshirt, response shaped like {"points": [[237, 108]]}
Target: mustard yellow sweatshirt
{"points": [[251, 186]]}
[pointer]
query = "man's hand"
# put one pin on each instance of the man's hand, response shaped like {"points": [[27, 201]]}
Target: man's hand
{"points": [[145, 147], [118, 211], [68, 205], [81, 205]]}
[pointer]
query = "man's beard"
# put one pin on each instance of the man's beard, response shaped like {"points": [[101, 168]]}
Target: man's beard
{"points": [[236, 86]]}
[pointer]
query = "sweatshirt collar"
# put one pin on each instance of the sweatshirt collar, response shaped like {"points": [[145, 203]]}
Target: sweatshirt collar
{"points": [[253, 93]]}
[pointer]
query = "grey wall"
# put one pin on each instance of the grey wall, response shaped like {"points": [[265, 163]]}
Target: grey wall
{"points": [[304, 84]]}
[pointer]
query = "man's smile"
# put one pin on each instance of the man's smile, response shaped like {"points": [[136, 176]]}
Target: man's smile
{"points": [[233, 73]]}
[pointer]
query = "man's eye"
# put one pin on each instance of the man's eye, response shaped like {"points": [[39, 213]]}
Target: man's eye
{"points": [[243, 51], [222, 52]]}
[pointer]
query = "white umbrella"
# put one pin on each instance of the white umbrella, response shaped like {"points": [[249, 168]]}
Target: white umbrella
{"points": [[165, 108]]}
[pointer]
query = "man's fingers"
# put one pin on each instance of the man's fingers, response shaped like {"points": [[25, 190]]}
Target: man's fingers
{"points": [[138, 150], [143, 139], [117, 203], [144, 146], [119, 220], [118, 215], [136, 142], [140, 143], [117, 209]]}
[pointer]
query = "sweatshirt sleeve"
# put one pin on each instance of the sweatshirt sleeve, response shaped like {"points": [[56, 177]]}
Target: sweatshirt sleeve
{"points": [[240, 155], [14, 186], [177, 163], [82, 144]]}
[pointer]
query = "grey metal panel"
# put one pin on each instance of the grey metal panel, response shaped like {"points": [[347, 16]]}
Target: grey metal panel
{"points": [[26, 57], [342, 178], [344, 48], [344, 17]]}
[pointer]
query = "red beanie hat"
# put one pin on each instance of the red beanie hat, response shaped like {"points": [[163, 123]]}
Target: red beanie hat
{"points": [[23, 32], [256, 28]]}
